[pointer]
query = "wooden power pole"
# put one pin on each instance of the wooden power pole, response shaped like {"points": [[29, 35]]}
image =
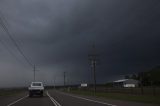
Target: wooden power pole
{"points": [[93, 59]]}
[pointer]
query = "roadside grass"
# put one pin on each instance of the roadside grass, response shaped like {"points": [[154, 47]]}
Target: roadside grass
{"points": [[120, 96], [10, 92]]}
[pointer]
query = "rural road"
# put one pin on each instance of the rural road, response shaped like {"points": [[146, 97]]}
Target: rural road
{"points": [[57, 98]]}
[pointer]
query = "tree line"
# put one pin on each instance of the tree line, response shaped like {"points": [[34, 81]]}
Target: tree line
{"points": [[147, 78]]}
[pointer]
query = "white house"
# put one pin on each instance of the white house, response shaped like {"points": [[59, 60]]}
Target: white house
{"points": [[126, 83]]}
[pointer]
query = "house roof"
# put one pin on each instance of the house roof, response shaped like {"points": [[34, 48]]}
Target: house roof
{"points": [[122, 80], [125, 80]]}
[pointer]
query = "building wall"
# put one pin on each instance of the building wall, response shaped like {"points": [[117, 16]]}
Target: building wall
{"points": [[127, 83]]}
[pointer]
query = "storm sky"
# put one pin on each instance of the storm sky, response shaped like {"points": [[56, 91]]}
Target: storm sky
{"points": [[57, 36]]}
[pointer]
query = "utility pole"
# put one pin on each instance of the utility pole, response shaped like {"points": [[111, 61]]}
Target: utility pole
{"points": [[93, 59], [64, 79], [54, 82], [34, 72]]}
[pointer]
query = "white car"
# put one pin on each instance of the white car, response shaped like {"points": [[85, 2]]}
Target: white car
{"points": [[36, 88]]}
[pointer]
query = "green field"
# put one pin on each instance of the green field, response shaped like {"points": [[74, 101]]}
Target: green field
{"points": [[120, 96], [9, 92]]}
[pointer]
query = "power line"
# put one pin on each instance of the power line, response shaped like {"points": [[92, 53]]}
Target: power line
{"points": [[10, 51], [14, 42]]}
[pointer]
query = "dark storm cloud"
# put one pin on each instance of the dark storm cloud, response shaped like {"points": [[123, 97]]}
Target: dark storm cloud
{"points": [[57, 36]]}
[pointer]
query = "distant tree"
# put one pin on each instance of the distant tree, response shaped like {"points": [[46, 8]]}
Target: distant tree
{"points": [[127, 77], [150, 78], [143, 78], [147, 78], [134, 76]]}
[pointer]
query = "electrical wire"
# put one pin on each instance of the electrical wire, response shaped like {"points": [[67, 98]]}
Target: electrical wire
{"points": [[2, 23], [10, 51]]}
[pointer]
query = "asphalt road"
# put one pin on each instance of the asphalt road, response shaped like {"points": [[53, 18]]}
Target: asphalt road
{"points": [[56, 98]]}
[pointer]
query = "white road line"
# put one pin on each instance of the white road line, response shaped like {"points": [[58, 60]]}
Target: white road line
{"points": [[17, 100], [53, 100], [104, 103]]}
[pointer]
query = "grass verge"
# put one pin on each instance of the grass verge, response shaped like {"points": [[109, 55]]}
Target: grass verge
{"points": [[9, 92], [119, 96]]}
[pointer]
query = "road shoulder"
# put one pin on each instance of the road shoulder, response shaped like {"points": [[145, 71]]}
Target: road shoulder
{"points": [[110, 101]]}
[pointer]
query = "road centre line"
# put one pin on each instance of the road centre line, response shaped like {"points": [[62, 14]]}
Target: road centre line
{"points": [[53, 100], [104, 103], [17, 100]]}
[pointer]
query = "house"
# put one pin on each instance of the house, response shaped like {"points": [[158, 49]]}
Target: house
{"points": [[126, 83], [84, 85]]}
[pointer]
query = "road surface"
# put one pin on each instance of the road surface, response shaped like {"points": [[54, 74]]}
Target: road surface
{"points": [[57, 98]]}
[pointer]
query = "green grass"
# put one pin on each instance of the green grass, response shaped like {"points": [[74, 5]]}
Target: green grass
{"points": [[10, 92], [119, 96]]}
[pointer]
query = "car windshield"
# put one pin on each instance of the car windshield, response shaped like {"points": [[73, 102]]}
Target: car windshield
{"points": [[36, 84]]}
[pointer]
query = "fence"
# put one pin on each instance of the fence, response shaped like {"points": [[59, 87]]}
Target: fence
{"points": [[135, 91]]}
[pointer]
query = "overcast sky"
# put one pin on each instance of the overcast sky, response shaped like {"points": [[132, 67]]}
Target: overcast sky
{"points": [[57, 36]]}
